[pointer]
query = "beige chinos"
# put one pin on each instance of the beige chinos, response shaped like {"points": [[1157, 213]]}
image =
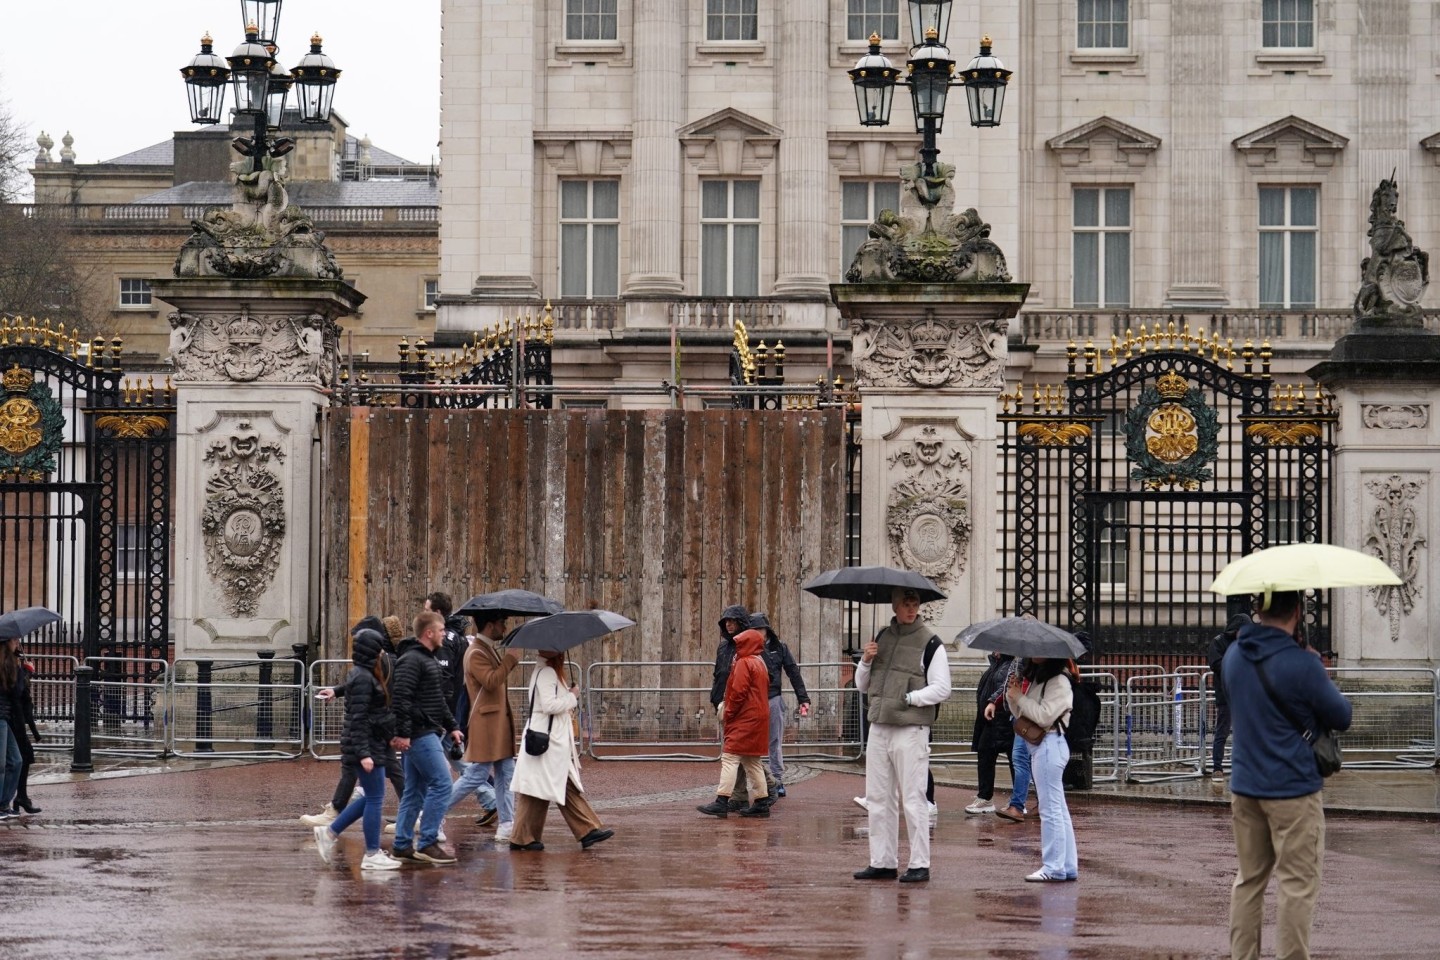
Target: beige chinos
{"points": [[1288, 838]]}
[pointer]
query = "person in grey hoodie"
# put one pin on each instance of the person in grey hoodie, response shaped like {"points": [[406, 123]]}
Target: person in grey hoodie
{"points": [[1276, 811]]}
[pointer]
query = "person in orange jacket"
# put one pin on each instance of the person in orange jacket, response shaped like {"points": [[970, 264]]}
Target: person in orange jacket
{"points": [[745, 712]]}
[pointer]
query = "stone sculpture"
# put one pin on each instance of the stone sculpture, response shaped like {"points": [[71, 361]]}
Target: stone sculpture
{"points": [[1394, 277]]}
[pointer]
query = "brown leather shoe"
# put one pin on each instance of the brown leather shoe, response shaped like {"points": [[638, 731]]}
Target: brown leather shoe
{"points": [[1013, 814]]}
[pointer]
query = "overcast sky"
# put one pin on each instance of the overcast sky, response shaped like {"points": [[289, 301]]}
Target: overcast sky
{"points": [[109, 72]]}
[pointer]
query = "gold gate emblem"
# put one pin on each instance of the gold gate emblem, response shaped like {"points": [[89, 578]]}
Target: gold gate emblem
{"points": [[19, 416]]}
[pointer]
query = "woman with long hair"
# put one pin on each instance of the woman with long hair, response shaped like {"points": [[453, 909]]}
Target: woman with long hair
{"points": [[12, 692], [1047, 702], [552, 776], [364, 744]]}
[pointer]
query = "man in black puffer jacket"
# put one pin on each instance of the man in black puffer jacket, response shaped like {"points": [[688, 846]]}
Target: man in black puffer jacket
{"points": [[422, 717]]}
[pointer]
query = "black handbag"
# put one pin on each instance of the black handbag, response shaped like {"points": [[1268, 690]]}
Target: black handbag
{"points": [[1325, 745], [536, 743]]}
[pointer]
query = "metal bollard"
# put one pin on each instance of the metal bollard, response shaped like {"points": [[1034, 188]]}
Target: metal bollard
{"points": [[265, 710], [80, 759], [204, 728]]}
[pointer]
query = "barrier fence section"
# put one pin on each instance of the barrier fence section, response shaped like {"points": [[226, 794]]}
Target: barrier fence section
{"points": [[327, 717], [1393, 724], [1105, 750], [832, 729], [52, 690], [651, 711], [1164, 728], [129, 706], [950, 735], [239, 708]]}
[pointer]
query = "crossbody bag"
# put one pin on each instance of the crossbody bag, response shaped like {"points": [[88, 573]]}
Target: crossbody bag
{"points": [[536, 743], [1325, 745]]}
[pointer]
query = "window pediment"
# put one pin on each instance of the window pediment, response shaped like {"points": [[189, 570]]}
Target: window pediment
{"points": [[1431, 145], [1291, 141], [1101, 139], [729, 139]]}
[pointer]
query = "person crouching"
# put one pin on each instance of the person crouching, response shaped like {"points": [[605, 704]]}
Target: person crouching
{"points": [[745, 712]]}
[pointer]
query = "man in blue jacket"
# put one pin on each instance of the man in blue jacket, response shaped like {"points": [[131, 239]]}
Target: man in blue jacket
{"points": [[1278, 820]]}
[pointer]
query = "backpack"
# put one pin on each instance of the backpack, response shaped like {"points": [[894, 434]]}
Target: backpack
{"points": [[1084, 716]]}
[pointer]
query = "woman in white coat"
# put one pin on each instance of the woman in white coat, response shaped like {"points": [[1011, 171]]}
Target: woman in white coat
{"points": [[553, 776]]}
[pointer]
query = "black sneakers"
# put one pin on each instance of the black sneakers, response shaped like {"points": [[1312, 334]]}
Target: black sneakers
{"points": [[877, 873], [594, 837], [532, 845], [916, 875], [486, 818]]}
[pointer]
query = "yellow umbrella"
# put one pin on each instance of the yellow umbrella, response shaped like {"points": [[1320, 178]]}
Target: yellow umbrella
{"points": [[1302, 566]]}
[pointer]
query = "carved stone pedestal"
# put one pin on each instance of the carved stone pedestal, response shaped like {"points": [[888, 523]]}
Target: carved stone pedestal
{"points": [[252, 361], [929, 361], [1387, 496]]}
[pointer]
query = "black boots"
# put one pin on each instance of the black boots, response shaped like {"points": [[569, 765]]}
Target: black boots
{"points": [[719, 807]]}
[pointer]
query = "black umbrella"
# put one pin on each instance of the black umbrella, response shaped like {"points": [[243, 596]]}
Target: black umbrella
{"points": [[1021, 637], [18, 623], [871, 584], [511, 603], [561, 631]]}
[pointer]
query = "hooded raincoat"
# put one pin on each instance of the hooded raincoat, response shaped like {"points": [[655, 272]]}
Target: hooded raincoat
{"points": [[747, 698]]}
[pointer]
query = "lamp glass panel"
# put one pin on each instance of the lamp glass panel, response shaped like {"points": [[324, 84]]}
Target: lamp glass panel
{"points": [[928, 90], [206, 101], [925, 14], [250, 88]]}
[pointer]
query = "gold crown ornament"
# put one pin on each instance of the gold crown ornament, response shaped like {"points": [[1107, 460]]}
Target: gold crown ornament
{"points": [[1172, 386], [17, 380]]}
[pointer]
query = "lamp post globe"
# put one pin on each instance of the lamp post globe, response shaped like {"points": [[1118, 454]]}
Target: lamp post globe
{"points": [[276, 94], [874, 77], [927, 16], [315, 77], [985, 78], [205, 79], [265, 14], [250, 66]]}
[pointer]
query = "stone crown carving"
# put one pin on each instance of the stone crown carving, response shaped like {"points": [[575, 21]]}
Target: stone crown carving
{"points": [[930, 353], [246, 348]]}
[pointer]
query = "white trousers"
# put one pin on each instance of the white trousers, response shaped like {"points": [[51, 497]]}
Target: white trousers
{"points": [[897, 762]]}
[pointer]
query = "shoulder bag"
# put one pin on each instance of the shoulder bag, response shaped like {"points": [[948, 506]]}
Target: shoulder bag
{"points": [[1030, 731], [1325, 745], [536, 743]]}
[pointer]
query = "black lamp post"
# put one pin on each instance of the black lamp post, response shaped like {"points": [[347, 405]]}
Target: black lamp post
{"points": [[261, 85], [931, 73]]}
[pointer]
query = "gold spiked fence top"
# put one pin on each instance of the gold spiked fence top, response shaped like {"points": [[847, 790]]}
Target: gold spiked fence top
{"points": [[451, 365], [1050, 400], [1092, 361], [755, 361]]}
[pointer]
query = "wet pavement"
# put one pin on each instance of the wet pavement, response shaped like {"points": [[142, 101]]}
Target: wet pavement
{"points": [[207, 860]]}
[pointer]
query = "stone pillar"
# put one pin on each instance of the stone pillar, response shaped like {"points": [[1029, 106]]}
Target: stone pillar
{"points": [[804, 152], [1199, 156], [654, 182], [253, 359], [929, 360]]}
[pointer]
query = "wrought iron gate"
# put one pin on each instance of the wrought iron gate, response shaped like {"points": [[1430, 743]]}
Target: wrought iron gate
{"points": [[1156, 464], [85, 483]]}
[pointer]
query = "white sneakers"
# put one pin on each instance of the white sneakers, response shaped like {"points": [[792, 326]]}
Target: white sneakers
{"points": [[862, 803], [379, 860], [934, 810], [502, 833], [980, 805], [325, 842], [322, 819]]}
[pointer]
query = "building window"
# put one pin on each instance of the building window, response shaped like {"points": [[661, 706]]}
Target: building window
{"points": [[730, 238], [134, 292], [730, 20], [1112, 567], [589, 19], [589, 238], [1288, 23], [432, 292], [1103, 24], [864, 17], [860, 203], [1288, 235], [1102, 247], [1282, 520], [129, 551]]}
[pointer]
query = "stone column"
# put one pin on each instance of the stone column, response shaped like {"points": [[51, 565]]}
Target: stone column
{"points": [[1198, 156], [654, 181], [929, 361], [804, 151], [253, 359]]}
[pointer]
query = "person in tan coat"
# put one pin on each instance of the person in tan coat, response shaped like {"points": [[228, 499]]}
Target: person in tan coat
{"points": [[490, 728]]}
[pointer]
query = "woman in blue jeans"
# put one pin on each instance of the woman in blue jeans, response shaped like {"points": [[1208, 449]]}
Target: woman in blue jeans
{"points": [[12, 679], [364, 745], [1047, 700]]}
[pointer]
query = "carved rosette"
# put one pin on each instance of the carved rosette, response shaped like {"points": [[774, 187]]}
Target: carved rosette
{"points": [[927, 517], [1395, 416], [1392, 533], [254, 347], [930, 353], [243, 522]]}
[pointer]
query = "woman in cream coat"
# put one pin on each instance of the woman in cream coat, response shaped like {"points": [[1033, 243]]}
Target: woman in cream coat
{"points": [[554, 776], [1045, 696]]}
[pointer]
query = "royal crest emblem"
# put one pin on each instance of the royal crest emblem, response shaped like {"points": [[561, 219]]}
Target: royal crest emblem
{"points": [[1170, 436], [243, 522], [31, 427]]}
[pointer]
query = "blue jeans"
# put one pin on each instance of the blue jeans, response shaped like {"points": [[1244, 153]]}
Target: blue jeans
{"points": [[10, 763], [476, 780], [427, 788], [1020, 764], [777, 737], [1057, 833], [369, 805]]}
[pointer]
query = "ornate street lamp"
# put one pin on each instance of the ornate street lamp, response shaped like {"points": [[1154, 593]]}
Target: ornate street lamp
{"points": [[265, 14], [205, 79], [250, 67], [315, 75], [930, 74], [275, 95]]}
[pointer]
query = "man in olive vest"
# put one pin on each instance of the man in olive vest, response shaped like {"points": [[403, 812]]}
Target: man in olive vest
{"points": [[906, 675]]}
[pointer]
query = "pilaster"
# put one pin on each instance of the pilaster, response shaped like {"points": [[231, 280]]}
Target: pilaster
{"points": [[801, 108], [659, 109]]}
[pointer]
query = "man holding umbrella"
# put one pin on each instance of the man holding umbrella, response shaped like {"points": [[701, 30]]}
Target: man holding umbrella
{"points": [[906, 676]]}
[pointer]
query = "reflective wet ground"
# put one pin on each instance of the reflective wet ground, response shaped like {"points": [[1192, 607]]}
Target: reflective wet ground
{"points": [[211, 863]]}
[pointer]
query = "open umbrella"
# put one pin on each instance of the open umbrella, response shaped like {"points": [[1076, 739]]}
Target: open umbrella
{"points": [[570, 628], [511, 603], [26, 620], [1021, 637], [1302, 566], [871, 584]]}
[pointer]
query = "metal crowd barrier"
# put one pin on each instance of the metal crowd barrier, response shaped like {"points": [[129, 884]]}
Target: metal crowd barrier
{"points": [[1164, 728], [831, 731], [238, 708], [1105, 751], [52, 689], [1393, 725], [129, 706], [326, 717], [651, 711]]}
